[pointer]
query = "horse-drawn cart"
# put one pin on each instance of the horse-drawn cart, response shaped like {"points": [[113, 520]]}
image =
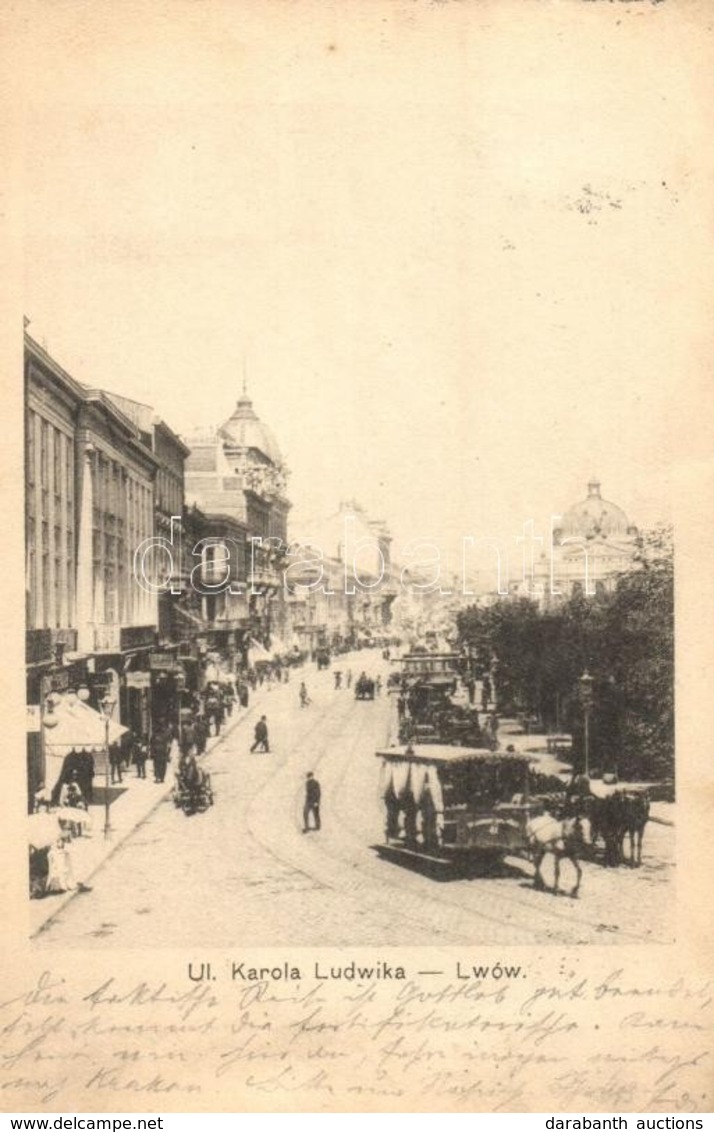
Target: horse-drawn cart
{"points": [[364, 688]]}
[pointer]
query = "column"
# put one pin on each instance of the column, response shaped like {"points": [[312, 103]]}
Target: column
{"points": [[85, 557]]}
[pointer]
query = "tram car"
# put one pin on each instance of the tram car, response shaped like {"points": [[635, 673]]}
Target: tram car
{"points": [[429, 710], [454, 807]]}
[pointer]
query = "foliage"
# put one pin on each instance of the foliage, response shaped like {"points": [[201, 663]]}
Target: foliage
{"points": [[624, 638]]}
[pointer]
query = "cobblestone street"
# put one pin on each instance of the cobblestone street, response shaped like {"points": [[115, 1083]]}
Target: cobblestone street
{"points": [[243, 873]]}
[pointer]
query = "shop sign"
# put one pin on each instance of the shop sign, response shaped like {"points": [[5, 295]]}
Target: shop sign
{"points": [[164, 662], [138, 679]]}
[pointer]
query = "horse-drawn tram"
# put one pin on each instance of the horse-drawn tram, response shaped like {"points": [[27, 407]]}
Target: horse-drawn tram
{"points": [[454, 808]]}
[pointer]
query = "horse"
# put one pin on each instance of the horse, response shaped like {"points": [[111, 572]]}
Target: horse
{"points": [[622, 814], [636, 814], [563, 839]]}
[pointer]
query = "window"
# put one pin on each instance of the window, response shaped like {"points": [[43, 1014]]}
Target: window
{"points": [[110, 595], [45, 587], [69, 469], [58, 594], [57, 445], [30, 449], [43, 453]]}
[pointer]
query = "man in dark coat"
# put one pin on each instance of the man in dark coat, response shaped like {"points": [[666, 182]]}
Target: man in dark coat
{"points": [[160, 748], [261, 735], [312, 802], [140, 752], [200, 731], [84, 765]]}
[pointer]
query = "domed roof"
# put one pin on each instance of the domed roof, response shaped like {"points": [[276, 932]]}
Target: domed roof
{"points": [[594, 517], [244, 429]]}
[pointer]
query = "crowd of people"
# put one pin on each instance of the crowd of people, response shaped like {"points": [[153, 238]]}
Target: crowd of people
{"points": [[178, 739]]}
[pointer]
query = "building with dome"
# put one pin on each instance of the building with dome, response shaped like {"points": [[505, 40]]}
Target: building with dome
{"points": [[593, 543], [236, 476]]}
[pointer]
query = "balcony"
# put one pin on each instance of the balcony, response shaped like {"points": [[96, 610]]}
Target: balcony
{"points": [[43, 645], [265, 578]]}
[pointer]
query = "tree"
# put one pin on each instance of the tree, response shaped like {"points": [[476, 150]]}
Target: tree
{"points": [[625, 639], [640, 640]]}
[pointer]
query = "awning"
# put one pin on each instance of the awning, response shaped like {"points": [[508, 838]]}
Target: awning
{"points": [[258, 652], [192, 617], [78, 728]]}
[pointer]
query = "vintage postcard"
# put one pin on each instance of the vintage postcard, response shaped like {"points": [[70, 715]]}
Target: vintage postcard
{"points": [[358, 484]]}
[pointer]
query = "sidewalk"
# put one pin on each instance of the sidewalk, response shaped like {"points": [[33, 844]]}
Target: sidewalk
{"points": [[533, 745], [132, 802]]}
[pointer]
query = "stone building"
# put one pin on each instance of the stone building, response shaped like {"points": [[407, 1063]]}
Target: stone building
{"points": [[236, 476], [89, 493], [593, 543]]}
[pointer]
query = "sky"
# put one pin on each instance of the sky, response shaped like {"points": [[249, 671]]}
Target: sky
{"points": [[453, 247]]}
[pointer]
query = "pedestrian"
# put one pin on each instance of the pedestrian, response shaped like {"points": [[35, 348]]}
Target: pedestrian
{"points": [[188, 738], [378, 685], [71, 798], [312, 802], [338, 680], [349, 678], [160, 748], [140, 755], [84, 764], [304, 697], [60, 875], [261, 736], [115, 762], [200, 731]]}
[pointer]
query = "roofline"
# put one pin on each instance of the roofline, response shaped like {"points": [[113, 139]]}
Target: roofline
{"points": [[160, 423], [41, 355]]}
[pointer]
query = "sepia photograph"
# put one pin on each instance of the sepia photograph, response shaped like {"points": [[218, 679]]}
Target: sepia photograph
{"points": [[364, 431]]}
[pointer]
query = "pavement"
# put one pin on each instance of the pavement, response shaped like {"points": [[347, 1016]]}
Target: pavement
{"points": [[511, 732], [131, 804], [135, 801]]}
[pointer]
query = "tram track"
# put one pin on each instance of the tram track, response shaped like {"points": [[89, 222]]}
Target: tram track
{"points": [[341, 865]]}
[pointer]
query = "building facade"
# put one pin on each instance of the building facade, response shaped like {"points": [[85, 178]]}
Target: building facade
{"points": [[236, 477]]}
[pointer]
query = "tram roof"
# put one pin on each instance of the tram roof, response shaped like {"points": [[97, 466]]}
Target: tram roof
{"points": [[427, 655], [441, 754]]}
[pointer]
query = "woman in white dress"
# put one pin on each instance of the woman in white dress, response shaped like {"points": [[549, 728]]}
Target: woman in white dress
{"points": [[60, 877]]}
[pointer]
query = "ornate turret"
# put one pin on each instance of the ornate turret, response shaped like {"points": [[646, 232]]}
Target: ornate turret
{"points": [[245, 432]]}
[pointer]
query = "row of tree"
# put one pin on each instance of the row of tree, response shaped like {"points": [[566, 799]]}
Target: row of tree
{"points": [[623, 638]]}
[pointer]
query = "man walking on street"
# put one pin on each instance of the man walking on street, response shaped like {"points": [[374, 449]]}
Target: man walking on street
{"points": [[312, 803], [261, 736], [160, 751]]}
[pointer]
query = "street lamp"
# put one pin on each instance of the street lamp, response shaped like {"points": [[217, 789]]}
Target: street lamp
{"points": [[107, 706], [586, 682]]}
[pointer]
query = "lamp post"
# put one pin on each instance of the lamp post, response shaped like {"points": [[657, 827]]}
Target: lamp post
{"points": [[107, 705], [48, 720], [586, 682]]}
